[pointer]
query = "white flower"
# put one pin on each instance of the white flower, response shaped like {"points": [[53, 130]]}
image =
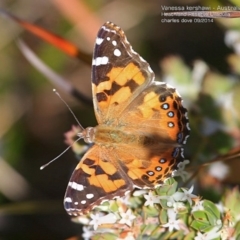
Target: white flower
{"points": [[170, 204], [82, 219], [208, 235], [188, 195], [151, 199], [170, 200], [125, 199], [87, 233], [179, 207], [178, 196], [173, 223], [180, 172], [198, 206], [127, 217], [139, 192], [181, 165], [99, 220]]}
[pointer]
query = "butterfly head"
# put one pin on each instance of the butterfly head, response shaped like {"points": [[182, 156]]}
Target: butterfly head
{"points": [[88, 134]]}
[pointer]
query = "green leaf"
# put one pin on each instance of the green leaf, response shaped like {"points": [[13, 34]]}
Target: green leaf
{"points": [[189, 236], [163, 217], [212, 212], [163, 203], [177, 235], [113, 206], [200, 216], [200, 226], [200, 221], [237, 230], [150, 211], [149, 229], [173, 188], [105, 236], [168, 188]]}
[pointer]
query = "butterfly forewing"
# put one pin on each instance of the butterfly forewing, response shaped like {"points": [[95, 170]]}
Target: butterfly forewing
{"points": [[118, 73]]}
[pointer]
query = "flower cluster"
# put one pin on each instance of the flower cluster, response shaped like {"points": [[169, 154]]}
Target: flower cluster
{"points": [[167, 212]]}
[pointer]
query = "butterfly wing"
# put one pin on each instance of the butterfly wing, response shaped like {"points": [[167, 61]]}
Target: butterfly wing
{"points": [[158, 115], [158, 111], [149, 168], [94, 179], [118, 73]]}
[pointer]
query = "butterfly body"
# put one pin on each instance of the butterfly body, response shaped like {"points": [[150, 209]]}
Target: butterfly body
{"points": [[141, 127]]}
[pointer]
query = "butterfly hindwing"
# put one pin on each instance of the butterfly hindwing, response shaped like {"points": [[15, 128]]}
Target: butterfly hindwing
{"points": [[148, 166], [158, 111], [94, 179]]}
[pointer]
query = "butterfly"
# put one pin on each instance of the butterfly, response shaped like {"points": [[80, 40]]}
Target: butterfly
{"points": [[141, 127]]}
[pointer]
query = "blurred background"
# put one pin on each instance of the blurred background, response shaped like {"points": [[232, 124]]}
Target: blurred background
{"points": [[201, 59]]}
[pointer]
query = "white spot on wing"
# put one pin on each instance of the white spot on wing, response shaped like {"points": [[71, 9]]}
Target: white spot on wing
{"points": [[108, 30], [117, 52], [89, 196], [83, 201], [182, 153], [114, 43], [100, 61], [99, 41], [76, 186], [185, 140], [68, 199]]}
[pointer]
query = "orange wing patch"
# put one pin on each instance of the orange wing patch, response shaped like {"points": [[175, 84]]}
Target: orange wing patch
{"points": [[113, 95]]}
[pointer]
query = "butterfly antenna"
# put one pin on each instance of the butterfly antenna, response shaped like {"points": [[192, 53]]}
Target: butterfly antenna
{"points": [[45, 165], [55, 91]]}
